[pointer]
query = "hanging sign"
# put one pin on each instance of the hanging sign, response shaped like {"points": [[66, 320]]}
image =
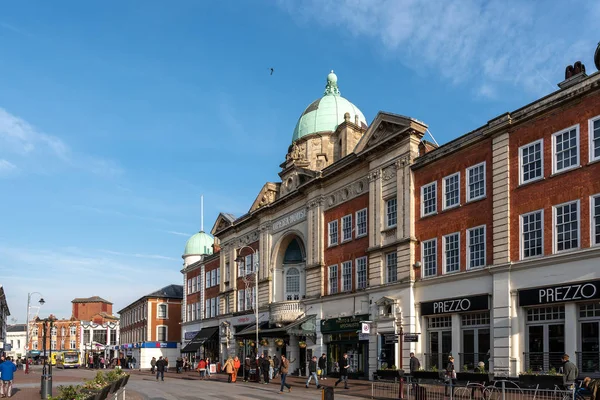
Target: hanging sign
{"points": [[366, 328]]}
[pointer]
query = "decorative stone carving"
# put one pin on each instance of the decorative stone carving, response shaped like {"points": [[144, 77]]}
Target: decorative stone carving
{"points": [[388, 173], [247, 239], [319, 201], [402, 162], [348, 192], [383, 130], [374, 175]]}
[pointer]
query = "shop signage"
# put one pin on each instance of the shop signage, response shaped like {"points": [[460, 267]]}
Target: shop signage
{"points": [[458, 305], [343, 324], [560, 293], [363, 336], [190, 335], [390, 338], [290, 219], [411, 338]]}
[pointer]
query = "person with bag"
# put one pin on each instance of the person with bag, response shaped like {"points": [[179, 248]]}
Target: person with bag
{"points": [[322, 367], [7, 371], [236, 367], [152, 365], [284, 368], [229, 369], [450, 376]]}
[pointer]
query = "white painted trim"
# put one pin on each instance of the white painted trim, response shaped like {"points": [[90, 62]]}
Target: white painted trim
{"points": [[592, 233], [342, 276], [366, 271], [467, 182], [444, 272], [434, 184], [342, 230], [166, 332], [468, 252], [521, 180], [521, 239], [591, 138], [554, 236], [423, 268], [158, 310], [329, 225], [329, 269], [554, 135], [387, 219], [444, 207], [366, 222]]}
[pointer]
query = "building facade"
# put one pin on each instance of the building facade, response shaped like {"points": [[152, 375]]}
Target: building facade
{"points": [[16, 335], [4, 314], [99, 327], [61, 334], [484, 248], [151, 326]]}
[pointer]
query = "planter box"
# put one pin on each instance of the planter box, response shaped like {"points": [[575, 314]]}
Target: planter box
{"points": [[389, 374], [474, 377], [437, 375], [544, 381]]}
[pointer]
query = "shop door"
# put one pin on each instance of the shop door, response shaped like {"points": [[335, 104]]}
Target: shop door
{"points": [[546, 347], [589, 360], [440, 344], [476, 347]]}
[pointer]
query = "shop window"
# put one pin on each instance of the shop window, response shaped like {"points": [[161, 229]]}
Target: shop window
{"points": [[588, 359], [545, 313], [439, 322], [475, 319], [589, 310], [545, 338]]}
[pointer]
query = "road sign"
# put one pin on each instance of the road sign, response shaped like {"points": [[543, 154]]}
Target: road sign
{"points": [[366, 328], [411, 338], [391, 338]]}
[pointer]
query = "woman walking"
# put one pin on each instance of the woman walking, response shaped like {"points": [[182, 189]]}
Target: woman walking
{"points": [[229, 369], [450, 376], [236, 368]]}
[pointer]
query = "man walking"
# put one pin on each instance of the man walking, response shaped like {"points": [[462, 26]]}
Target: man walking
{"points": [[414, 364], [343, 371], [284, 368], [570, 371], [152, 365], [265, 365], [7, 371], [161, 365], [312, 372], [323, 366], [275, 366]]}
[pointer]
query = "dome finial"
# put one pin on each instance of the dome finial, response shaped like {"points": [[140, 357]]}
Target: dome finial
{"points": [[332, 88]]}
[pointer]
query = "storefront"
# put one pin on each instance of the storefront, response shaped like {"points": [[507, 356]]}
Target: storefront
{"points": [[562, 319], [459, 327], [205, 343], [341, 335]]}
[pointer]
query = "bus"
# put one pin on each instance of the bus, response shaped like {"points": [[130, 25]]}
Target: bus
{"points": [[68, 359]]}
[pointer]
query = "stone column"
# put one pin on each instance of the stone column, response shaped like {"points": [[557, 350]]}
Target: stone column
{"points": [[456, 343], [516, 334], [571, 330], [501, 323]]}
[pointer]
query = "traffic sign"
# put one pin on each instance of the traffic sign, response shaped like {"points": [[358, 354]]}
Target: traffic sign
{"points": [[366, 328]]}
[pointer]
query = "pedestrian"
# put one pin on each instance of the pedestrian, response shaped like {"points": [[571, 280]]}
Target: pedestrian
{"points": [[450, 376], [312, 372], [285, 365], [152, 365], [414, 363], [593, 385], [271, 368], [236, 367], [161, 366], [264, 366], [133, 362], [7, 371], [179, 364], [570, 372], [208, 367], [275, 366], [229, 369], [343, 363], [246, 369], [166, 364], [323, 366], [202, 368]]}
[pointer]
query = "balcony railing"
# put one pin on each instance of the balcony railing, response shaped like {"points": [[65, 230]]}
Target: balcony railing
{"points": [[588, 362], [437, 360], [471, 360], [545, 361], [285, 311]]}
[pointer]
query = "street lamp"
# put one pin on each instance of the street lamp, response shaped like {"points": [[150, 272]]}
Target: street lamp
{"points": [[41, 301], [247, 281], [46, 383]]}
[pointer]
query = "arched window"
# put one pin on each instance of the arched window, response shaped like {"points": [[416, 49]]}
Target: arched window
{"points": [[292, 284], [293, 253]]}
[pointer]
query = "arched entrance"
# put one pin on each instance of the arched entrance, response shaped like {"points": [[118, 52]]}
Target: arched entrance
{"points": [[290, 265]]}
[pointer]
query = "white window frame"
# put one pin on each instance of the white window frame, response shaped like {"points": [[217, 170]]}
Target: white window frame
{"points": [[346, 277], [444, 258], [190, 316], [554, 233], [72, 344], [248, 265], [592, 230], [578, 136], [468, 243], [423, 188], [357, 218], [194, 284], [521, 172], [166, 332], [387, 213], [158, 305], [522, 238], [330, 237], [218, 270], [468, 182], [241, 300], [591, 137], [189, 286], [213, 278], [444, 206], [346, 220], [356, 265], [388, 277], [423, 267], [207, 275], [330, 279]]}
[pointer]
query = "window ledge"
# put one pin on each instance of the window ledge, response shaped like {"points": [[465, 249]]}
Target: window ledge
{"points": [[332, 245], [564, 171], [531, 181], [389, 228], [429, 215], [476, 200], [593, 162], [360, 236], [346, 241], [454, 207]]}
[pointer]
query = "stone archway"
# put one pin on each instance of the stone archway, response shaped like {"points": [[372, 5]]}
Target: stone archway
{"points": [[289, 273]]}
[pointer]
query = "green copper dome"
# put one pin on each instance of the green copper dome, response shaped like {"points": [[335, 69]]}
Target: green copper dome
{"points": [[199, 244], [326, 113]]}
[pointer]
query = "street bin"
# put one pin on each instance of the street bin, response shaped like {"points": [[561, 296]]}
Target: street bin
{"points": [[46, 389], [327, 393]]}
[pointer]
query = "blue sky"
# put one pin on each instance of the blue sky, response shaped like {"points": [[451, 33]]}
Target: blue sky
{"points": [[115, 116]]}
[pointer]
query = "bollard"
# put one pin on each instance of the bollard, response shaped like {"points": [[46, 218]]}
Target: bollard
{"points": [[46, 386], [401, 388], [327, 393]]}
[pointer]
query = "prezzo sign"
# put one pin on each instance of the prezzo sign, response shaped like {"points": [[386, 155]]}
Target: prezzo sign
{"points": [[560, 293], [462, 304], [290, 219]]}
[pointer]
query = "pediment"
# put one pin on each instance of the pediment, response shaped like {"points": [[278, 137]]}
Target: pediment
{"points": [[267, 195], [223, 221], [294, 177], [385, 301], [388, 126]]}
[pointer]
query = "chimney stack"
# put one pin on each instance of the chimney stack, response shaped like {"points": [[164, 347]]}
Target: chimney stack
{"points": [[573, 74]]}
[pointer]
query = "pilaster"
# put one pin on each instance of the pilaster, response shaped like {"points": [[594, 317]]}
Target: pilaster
{"points": [[501, 199]]}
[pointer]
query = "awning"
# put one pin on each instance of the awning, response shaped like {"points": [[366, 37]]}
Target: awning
{"points": [[199, 339], [303, 327], [251, 329]]}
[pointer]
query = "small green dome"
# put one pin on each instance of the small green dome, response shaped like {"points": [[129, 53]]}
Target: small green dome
{"points": [[327, 113], [199, 244]]}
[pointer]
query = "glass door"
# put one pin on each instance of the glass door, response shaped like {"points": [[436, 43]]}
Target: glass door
{"points": [[440, 344], [476, 346], [546, 346], [589, 360]]}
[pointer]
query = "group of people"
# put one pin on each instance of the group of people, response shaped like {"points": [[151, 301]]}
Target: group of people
{"points": [[203, 368], [264, 366]]}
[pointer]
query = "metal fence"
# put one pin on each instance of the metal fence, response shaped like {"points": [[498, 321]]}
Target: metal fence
{"points": [[501, 390], [542, 361], [589, 362]]}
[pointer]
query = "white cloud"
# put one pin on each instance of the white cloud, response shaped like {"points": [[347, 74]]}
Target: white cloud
{"points": [[139, 255], [21, 139], [6, 167], [468, 42], [179, 233]]}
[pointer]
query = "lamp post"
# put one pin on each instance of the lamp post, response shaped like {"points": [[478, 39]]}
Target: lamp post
{"points": [[247, 281], [46, 382], [41, 301]]}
